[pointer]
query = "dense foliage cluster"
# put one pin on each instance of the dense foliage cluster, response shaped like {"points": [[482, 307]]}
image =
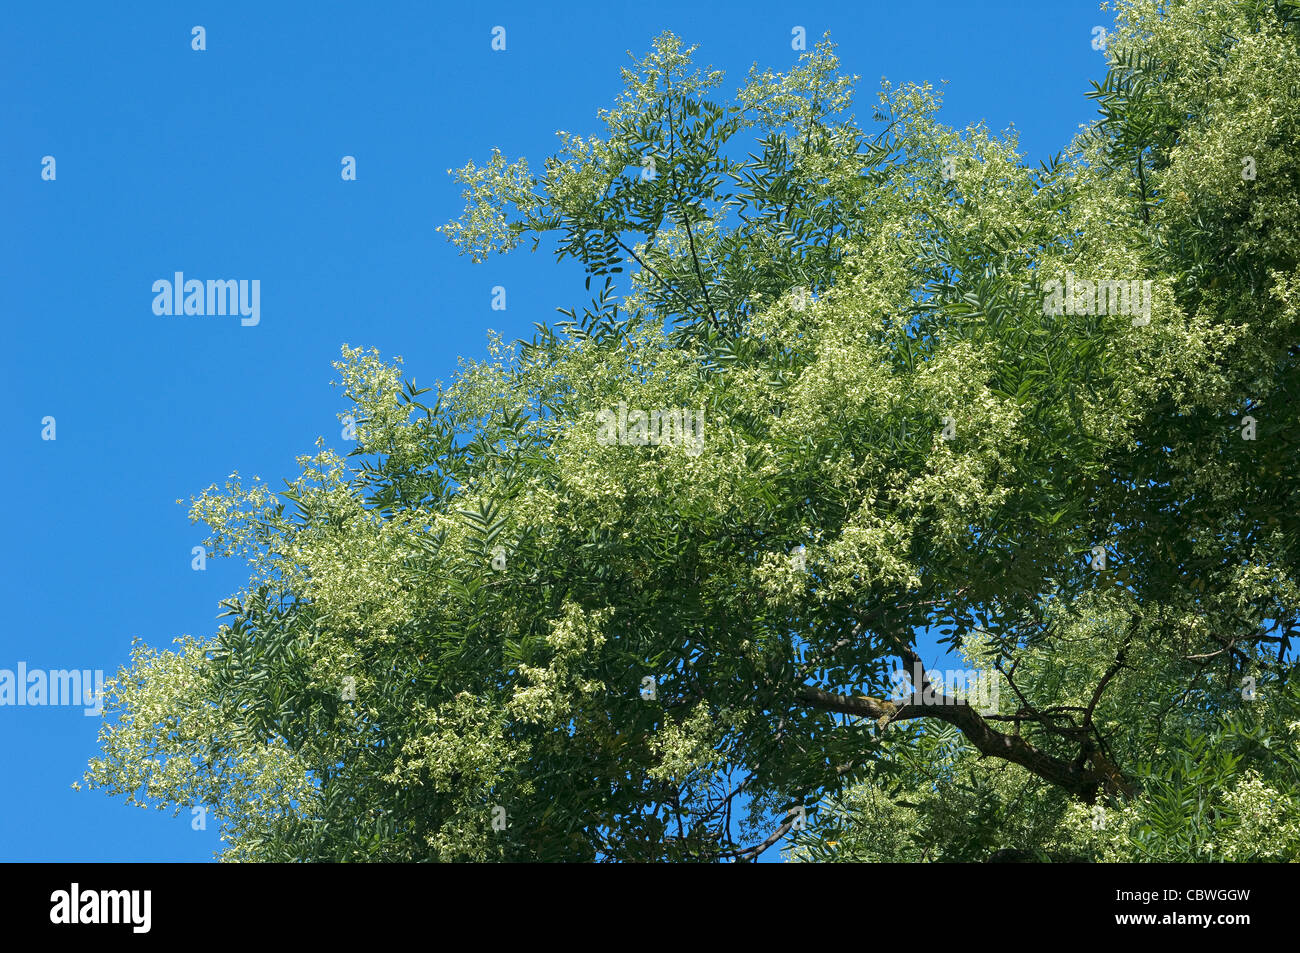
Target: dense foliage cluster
{"points": [[500, 632]]}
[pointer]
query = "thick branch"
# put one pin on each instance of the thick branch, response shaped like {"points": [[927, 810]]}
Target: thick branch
{"points": [[1078, 780]]}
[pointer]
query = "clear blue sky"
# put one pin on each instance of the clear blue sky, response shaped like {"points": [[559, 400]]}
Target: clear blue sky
{"points": [[225, 164]]}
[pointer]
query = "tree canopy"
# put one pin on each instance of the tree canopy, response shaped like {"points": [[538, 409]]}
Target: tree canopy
{"points": [[638, 588]]}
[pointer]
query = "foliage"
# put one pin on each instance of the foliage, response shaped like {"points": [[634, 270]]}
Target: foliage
{"points": [[661, 650]]}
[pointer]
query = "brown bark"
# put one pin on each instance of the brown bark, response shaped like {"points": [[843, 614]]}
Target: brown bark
{"points": [[1084, 781]]}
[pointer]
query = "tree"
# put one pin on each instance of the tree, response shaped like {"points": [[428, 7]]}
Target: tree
{"points": [[639, 588]]}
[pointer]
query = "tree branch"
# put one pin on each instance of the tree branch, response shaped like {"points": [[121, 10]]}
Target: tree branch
{"points": [[1080, 781], [686, 219]]}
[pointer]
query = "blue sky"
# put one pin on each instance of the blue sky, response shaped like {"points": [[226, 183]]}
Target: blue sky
{"points": [[225, 163]]}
